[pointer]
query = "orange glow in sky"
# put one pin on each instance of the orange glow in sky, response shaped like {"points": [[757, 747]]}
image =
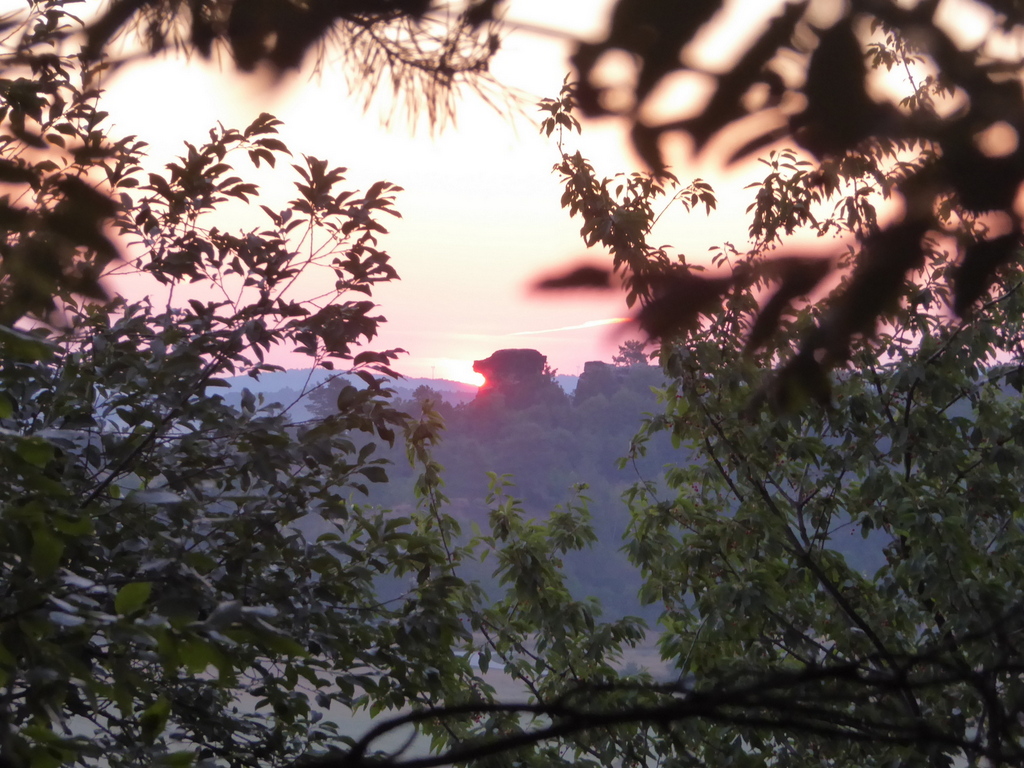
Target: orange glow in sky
{"points": [[454, 369], [481, 214]]}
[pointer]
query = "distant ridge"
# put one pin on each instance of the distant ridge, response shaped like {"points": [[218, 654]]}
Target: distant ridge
{"points": [[295, 380]]}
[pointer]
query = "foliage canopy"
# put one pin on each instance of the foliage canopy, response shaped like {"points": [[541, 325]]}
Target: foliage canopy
{"points": [[945, 152], [166, 598], [190, 578], [778, 647]]}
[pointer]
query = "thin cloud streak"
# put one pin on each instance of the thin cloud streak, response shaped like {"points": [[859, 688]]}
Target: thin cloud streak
{"points": [[581, 326]]}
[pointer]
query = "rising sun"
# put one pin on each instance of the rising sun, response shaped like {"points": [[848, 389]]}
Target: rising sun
{"points": [[457, 370]]}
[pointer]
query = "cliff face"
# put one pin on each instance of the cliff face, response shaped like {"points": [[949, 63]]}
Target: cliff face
{"points": [[605, 379], [520, 376], [509, 366], [599, 378]]}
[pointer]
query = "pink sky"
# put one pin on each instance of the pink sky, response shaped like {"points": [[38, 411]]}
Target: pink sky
{"points": [[481, 215]]}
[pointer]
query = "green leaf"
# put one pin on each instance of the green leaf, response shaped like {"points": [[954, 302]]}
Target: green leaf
{"points": [[374, 474], [70, 526], [35, 450], [177, 759], [198, 655], [283, 645], [24, 346], [153, 720], [131, 597], [47, 551]]}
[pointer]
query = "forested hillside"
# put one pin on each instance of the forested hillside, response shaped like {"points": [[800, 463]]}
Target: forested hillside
{"points": [[550, 443]]}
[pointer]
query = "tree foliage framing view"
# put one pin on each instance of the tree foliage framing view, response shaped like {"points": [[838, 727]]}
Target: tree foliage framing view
{"points": [[188, 579], [946, 151]]}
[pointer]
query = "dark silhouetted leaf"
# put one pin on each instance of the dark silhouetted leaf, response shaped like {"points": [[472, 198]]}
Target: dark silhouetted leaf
{"points": [[585, 276], [726, 104], [797, 276], [976, 271], [13, 171], [680, 297], [873, 289], [839, 114], [981, 183], [655, 31], [800, 380]]}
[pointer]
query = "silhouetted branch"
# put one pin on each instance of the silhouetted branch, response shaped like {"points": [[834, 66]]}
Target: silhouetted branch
{"points": [[863, 700]]}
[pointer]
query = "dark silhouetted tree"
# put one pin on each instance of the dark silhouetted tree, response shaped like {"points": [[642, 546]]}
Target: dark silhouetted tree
{"points": [[632, 352]]}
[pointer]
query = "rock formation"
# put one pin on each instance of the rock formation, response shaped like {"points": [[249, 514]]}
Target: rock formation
{"points": [[520, 376]]}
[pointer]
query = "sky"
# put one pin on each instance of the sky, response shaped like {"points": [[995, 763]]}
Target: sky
{"points": [[481, 219]]}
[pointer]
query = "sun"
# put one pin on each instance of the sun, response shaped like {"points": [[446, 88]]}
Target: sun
{"points": [[454, 369]]}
